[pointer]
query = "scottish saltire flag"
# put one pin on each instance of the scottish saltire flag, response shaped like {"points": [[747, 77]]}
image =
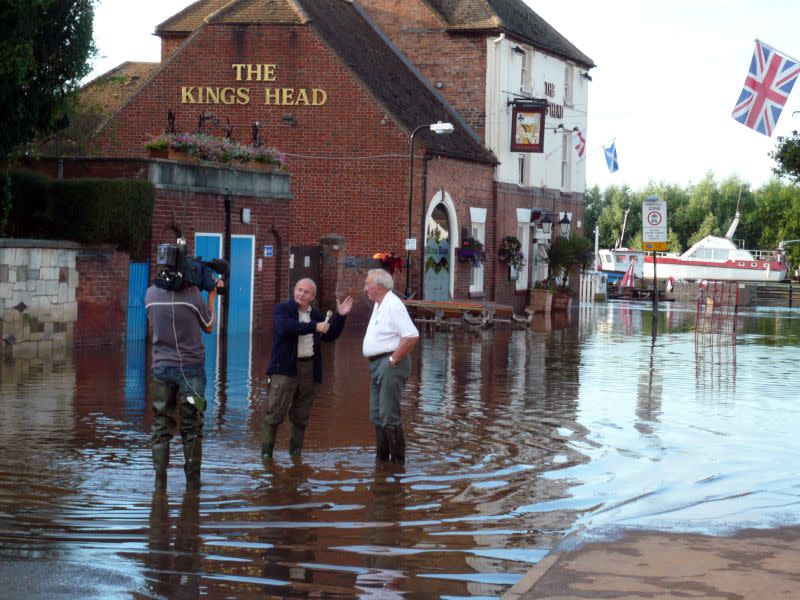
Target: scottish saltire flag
{"points": [[611, 157], [766, 89], [580, 143]]}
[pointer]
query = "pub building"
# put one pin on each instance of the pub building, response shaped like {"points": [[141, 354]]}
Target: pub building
{"points": [[475, 102]]}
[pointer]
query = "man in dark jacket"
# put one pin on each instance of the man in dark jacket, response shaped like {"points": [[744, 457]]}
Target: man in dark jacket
{"points": [[296, 363]]}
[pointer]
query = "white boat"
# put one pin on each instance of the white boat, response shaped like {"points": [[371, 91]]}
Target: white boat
{"points": [[615, 262], [718, 258]]}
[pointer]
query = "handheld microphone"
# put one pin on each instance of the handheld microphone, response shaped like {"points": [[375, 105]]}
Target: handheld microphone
{"points": [[328, 316]]}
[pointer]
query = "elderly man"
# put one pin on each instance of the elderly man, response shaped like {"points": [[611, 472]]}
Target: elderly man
{"points": [[296, 363], [390, 337]]}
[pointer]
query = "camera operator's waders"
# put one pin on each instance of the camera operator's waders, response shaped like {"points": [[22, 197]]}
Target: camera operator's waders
{"points": [[165, 397]]}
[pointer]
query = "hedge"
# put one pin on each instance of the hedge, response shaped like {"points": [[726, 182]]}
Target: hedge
{"points": [[90, 211]]}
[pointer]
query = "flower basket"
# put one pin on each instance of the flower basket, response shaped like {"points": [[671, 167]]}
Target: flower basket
{"points": [[510, 253], [471, 251], [194, 147]]}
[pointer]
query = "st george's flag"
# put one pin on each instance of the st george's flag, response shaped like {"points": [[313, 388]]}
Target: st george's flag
{"points": [[579, 142], [766, 89], [611, 157]]}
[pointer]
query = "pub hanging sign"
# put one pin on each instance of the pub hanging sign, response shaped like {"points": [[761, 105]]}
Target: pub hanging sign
{"points": [[527, 122]]}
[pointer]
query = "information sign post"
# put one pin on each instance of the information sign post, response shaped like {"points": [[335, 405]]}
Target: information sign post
{"points": [[654, 238]]}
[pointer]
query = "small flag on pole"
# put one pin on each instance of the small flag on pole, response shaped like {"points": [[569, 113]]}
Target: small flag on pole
{"points": [[580, 143], [766, 89], [611, 157]]}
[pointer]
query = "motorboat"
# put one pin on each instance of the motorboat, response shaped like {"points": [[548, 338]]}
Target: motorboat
{"points": [[718, 258], [616, 262]]}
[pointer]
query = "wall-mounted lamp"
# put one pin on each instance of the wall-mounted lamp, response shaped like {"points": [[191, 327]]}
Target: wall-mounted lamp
{"points": [[547, 224], [289, 119], [564, 224], [586, 76]]}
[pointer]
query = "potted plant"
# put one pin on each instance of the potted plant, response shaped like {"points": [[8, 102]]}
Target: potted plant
{"points": [[510, 253], [563, 257], [541, 298], [471, 251]]}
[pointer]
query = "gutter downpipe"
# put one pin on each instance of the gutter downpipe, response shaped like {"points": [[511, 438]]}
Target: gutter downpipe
{"points": [[493, 295]]}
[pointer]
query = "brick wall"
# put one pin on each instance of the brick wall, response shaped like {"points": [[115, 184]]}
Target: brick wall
{"points": [[454, 64], [102, 297], [348, 162]]}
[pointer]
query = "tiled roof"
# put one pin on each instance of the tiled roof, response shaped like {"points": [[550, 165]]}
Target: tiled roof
{"points": [[107, 93], [391, 79], [256, 11], [191, 17], [511, 16]]}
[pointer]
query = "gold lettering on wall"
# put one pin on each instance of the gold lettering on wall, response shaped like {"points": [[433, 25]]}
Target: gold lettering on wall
{"points": [[259, 72], [214, 95], [273, 96]]}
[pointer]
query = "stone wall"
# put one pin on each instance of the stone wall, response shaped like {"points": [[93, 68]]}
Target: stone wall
{"points": [[38, 305]]}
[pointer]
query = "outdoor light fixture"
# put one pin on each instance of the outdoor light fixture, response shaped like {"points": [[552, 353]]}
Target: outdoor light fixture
{"points": [[439, 128], [564, 224], [547, 224], [586, 76]]}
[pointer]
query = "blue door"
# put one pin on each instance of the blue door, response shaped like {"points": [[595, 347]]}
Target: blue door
{"points": [[136, 338], [240, 288]]}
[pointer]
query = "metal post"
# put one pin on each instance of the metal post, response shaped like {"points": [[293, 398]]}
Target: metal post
{"points": [[655, 297], [410, 202], [226, 254]]}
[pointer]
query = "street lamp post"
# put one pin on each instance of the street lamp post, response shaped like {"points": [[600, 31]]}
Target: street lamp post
{"points": [[439, 128]]}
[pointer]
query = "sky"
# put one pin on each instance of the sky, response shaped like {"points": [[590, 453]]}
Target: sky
{"points": [[668, 75]]}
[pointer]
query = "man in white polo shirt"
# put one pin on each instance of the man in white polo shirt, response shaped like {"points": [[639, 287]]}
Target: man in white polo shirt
{"points": [[390, 337]]}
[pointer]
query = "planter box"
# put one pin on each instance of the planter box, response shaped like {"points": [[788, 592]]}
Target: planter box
{"points": [[185, 157], [541, 301], [562, 301]]}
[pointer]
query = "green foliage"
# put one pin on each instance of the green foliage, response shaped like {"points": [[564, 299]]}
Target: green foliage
{"points": [[115, 211], [90, 211], [45, 47], [566, 254], [787, 155]]}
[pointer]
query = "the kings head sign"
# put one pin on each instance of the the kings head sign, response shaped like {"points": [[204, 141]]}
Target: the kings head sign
{"points": [[245, 92]]}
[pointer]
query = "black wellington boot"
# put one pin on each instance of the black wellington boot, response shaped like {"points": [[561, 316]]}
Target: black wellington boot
{"points": [[160, 464], [193, 457], [268, 440], [381, 444], [397, 444], [296, 441]]}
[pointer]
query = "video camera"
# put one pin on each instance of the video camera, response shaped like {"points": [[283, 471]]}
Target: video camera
{"points": [[175, 268]]}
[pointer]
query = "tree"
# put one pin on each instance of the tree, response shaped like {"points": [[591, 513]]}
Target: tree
{"points": [[787, 155], [45, 49]]}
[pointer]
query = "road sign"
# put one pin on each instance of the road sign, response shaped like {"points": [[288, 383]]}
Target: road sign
{"points": [[655, 246], [654, 222]]}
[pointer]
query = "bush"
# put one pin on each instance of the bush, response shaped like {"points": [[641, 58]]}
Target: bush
{"points": [[25, 200], [114, 211], [89, 211]]}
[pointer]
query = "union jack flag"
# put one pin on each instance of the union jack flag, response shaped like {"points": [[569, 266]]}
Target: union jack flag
{"points": [[766, 89], [580, 143]]}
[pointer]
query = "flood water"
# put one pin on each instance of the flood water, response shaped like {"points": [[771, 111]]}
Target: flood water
{"points": [[519, 440]]}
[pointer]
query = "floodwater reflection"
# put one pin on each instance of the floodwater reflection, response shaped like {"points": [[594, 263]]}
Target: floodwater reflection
{"points": [[517, 439]]}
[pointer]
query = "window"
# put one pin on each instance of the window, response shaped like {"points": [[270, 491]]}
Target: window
{"points": [[523, 169], [566, 161], [569, 74], [524, 236], [478, 217]]}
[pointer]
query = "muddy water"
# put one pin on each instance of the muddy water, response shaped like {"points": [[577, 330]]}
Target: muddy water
{"points": [[519, 439]]}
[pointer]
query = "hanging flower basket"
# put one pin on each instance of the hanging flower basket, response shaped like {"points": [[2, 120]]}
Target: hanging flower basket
{"points": [[390, 261], [471, 251], [510, 252]]}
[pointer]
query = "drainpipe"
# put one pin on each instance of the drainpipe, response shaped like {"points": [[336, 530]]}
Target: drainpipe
{"points": [[425, 162], [226, 254]]}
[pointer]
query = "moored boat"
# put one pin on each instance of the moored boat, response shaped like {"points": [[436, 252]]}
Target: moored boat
{"points": [[615, 263], [718, 258]]}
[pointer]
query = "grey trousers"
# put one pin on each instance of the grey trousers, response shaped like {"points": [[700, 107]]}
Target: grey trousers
{"points": [[386, 391]]}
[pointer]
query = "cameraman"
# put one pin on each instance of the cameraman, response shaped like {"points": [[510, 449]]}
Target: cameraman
{"points": [[178, 373]]}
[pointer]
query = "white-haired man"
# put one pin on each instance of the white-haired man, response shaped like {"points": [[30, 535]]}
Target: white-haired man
{"points": [[390, 337]]}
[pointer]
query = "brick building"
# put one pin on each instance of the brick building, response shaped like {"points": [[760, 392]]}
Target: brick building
{"points": [[344, 89]]}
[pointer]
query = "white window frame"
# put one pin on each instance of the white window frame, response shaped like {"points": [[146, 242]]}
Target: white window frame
{"points": [[478, 218], [524, 236], [566, 162], [569, 76]]}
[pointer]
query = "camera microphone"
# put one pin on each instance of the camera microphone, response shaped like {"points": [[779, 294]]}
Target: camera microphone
{"points": [[328, 316]]}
